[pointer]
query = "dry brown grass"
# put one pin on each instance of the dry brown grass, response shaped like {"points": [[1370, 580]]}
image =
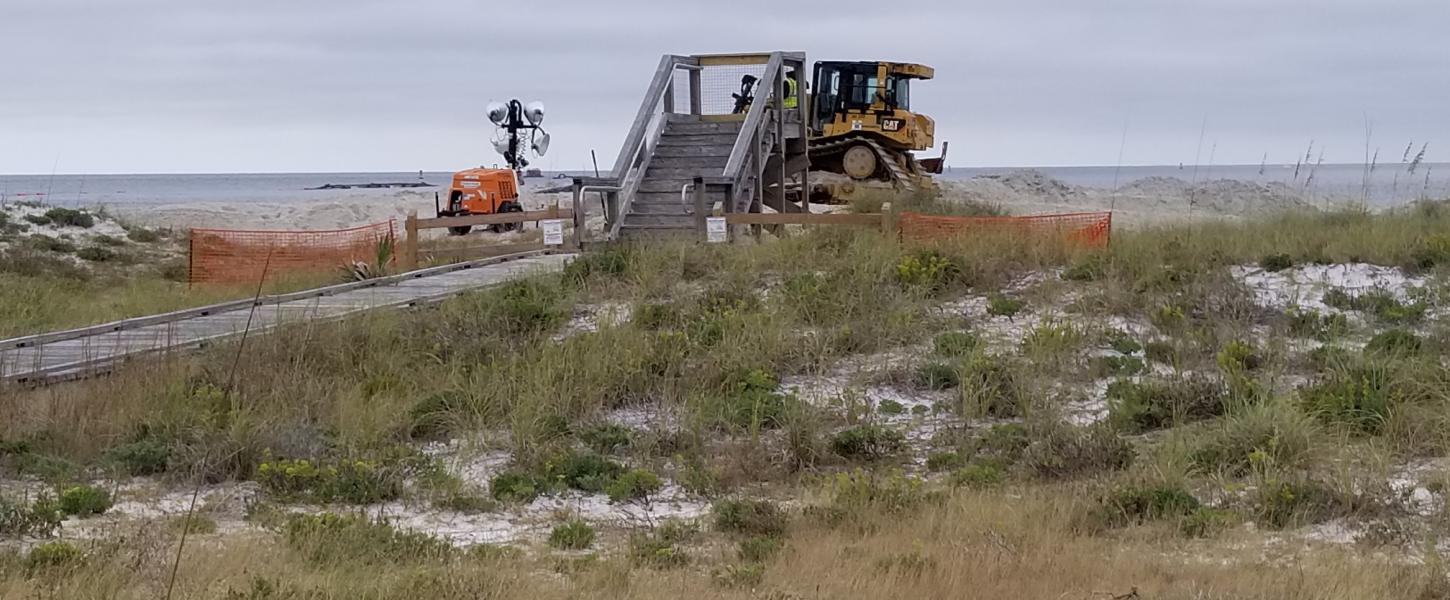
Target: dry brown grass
{"points": [[1016, 544]]}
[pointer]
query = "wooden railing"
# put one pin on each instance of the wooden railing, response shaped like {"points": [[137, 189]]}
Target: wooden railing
{"points": [[409, 255], [649, 123]]}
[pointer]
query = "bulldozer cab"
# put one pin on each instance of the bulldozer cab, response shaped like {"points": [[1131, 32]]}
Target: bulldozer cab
{"points": [[870, 98]]}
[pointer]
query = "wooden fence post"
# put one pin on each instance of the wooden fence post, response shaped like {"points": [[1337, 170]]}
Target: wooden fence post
{"points": [[410, 241], [888, 219], [700, 208], [578, 215]]}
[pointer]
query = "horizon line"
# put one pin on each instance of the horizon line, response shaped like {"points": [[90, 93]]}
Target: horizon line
{"points": [[1018, 167]]}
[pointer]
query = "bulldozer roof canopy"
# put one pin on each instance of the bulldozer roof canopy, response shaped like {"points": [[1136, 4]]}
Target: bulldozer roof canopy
{"points": [[907, 69]]}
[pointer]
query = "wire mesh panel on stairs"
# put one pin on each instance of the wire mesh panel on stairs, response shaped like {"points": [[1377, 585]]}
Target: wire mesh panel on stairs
{"points": [[234, 256]]}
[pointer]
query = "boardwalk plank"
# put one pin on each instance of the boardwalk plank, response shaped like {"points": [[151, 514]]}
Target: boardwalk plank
{"points": [[80, 355]]}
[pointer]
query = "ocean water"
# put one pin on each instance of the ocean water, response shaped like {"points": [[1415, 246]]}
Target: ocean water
{"points": [[1388, 185]]}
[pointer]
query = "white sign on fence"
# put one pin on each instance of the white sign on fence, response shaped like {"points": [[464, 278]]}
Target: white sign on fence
{"points": [[715, 230], [553, 232]]}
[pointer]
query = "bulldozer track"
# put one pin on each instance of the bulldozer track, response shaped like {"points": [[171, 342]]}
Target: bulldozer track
{"points": [[898, 175]]}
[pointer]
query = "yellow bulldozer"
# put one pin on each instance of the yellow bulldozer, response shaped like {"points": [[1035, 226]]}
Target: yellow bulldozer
{"points": [[862, 128]]}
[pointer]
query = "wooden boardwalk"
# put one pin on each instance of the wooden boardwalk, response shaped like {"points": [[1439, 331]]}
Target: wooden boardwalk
{"points": [[75, 353]]}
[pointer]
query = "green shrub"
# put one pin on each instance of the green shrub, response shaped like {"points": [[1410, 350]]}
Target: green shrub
{"points": [[1122, 343], [527, 306], [331, 539], [611, 262], [606, 437], [66, 217], [52, 556], [142, 235], [516, 486], [937, 376], [954, 344], [659, 548], [146, 456], [892, 492], [584, 472], [890, 407], [1435, 252], [1150, 405], [1282, 504], [436, 415], [1089, 268], [96, 254], [1238, 357], [633, 484], [1137, 503], [50, 244], [990, 385], [944, 461], [1274, 432], [758, 548], [40, 220], [346, 481], [1360, 396], [1395, 343], [1051, 340], [84, 500], [1163, 353], [574, 534], [979, 474], [750, 517], [1061, 451], [1274, 263], [1118, 366], [656, 316], [1381, 303], [1168, 318], [1310, 323], [1000, 305], [1204, 522], [926, 269], [755, 404], [696, 477], [1005, 441], [107, 240], [1326, 356], [40, 518], [867, 442]]}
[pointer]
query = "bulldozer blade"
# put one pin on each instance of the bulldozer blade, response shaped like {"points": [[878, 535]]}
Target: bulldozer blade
{"points": [[935, 165]]}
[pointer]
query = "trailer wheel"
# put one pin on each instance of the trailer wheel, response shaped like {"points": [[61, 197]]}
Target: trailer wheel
{"points": [[507, 207], [460, 230]]}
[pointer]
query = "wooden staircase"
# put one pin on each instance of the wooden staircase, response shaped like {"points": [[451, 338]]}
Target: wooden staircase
{"points": [[688, 148], [742, 162]]}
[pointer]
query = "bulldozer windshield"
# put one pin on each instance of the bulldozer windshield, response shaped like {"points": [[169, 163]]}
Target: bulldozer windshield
{"points": [[898, 92]]}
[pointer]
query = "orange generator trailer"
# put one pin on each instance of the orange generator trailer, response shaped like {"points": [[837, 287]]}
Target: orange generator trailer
{"points": [[482, 192]]}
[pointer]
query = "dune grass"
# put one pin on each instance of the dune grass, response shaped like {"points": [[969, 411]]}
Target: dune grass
{"points": [[1102, 509]]}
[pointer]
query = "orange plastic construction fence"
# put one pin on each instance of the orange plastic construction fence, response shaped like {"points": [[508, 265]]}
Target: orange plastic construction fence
{"points": [[1088, 230], [233, 256]]}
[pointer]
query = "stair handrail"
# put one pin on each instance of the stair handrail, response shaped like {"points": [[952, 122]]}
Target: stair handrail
{"points": [[625, 174], [754, 121]]}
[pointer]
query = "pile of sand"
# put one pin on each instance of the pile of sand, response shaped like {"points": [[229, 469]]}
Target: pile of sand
{"points": [[1219, 196], [1148, 200]]}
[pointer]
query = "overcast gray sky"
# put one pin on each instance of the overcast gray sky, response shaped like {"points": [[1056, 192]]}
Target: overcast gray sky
{"points": [[118, 86]]}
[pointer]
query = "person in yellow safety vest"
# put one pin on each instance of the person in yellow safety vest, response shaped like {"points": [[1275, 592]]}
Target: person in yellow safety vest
{"points": [[792, 98]]}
